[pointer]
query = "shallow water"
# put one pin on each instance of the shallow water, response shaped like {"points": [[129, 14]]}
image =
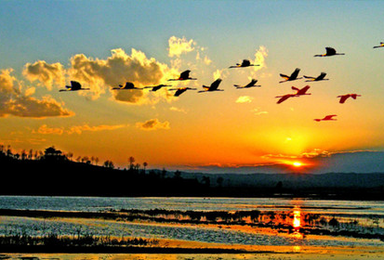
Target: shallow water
{"points": [[369, 213], [94, 204]]}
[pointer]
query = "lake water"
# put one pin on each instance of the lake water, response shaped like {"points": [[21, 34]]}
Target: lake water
{"points": [[95, 204], [369, 214]]}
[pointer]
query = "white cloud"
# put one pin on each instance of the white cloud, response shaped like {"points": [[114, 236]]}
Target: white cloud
{"points": [[178, 46], [244, 99]]}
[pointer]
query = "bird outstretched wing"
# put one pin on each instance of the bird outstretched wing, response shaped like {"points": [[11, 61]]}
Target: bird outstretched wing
{"points": [[343, 98], [75, 85]]}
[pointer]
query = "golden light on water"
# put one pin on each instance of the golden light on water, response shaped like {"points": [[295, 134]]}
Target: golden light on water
{"points": [[296, 219]]}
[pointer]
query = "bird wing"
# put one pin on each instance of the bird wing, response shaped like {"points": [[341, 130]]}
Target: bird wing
{"points": [[303, 90], [330, 51], [215, 85], [343, 98], [295, 74], [283, 98], [329, 117], [75, 85], [284, 76], [129, 85], [180, 91], [185, 74], [321, 76], [309, 77], [245, 63]]}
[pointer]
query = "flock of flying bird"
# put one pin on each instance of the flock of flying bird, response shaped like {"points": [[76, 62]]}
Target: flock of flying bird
{"points": [[75, 86]]}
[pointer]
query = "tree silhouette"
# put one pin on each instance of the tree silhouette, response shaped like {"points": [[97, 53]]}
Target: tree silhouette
{"points": [[145, 164], [30, 154], [131, 161], [9, 151], [108, 164], [23, 155]]}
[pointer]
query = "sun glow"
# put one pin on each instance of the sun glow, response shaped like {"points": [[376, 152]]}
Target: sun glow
{"points": [[297, 164]]}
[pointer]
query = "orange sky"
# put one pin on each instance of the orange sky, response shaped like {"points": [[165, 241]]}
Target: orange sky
{"points": [[233, 128]]}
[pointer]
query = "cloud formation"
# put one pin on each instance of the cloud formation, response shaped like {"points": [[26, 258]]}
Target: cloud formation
{"points": [[153, 124], [244, 99], [257, 111], [45, 73], [78, 129], [116, 70], [16, 100], [178, 46]]}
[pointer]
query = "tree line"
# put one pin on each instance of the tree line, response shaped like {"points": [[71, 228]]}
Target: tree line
{"points": [[51, 153]]}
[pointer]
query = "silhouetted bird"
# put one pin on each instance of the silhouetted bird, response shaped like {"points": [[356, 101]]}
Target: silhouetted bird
{"points": [[213, 87], [156, 88], [244, 64], [74, 87], [299, 92], [183, 76], [292, 77], [343, 98], [327, 118], [318, 78], [329, 52], [249, 85], [379, 46], [128, 85], [180, 91]]}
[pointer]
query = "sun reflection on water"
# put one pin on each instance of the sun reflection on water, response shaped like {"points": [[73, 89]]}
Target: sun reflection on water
{"points": [[296, 224], [296, 219]]}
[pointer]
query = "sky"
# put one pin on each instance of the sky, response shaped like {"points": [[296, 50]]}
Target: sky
{"points": [[102, 44]]}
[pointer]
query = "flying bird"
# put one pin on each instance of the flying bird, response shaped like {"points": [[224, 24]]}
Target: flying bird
{"points": [[74, 87], [299, 92], [156, 88], [249, 85], [329, 52], [213, 87], [327, 118], [183, 76], [292, 77], [244, 64], [343, 98], [128, 85], [180, 91], [379, 46], [318, 78], [284, 97]]}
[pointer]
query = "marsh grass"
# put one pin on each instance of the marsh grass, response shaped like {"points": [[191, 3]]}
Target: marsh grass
{"points": [[22, 239]]}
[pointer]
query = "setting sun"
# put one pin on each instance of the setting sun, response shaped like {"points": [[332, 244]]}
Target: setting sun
{"points": [[297, 164]]}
